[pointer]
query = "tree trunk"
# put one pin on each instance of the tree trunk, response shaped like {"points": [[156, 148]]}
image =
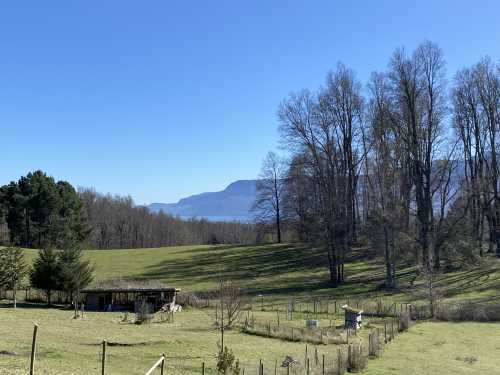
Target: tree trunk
{"points": [[332, 263], [278, 225]]}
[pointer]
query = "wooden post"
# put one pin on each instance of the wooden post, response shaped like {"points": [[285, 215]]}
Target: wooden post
{"points": [[316, 359], [203, 369], [278, 316], [33, 350], [103, 360], [275, 367], [385, 332], [339, 361], [323, 373], [307, 366], [349, 355], [162, 368]]}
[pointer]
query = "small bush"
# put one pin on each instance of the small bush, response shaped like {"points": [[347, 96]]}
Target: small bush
{"points": [[227, 363]]}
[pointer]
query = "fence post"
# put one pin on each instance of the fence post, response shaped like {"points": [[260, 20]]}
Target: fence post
{"points": [[385, 332], [339, 362], [307, 366], [349, 356], [203, 369], [103, 360], [33, 350], [323, 373], [275, 367], [162, 368]]}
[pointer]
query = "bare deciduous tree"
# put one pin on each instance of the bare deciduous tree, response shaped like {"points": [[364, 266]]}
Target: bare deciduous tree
{"points": [[268, 205]]}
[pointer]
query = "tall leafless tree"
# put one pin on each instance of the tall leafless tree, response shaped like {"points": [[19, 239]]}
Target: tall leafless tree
{"points": [[268, 205]]}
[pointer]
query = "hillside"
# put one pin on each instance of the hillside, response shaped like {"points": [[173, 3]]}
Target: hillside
{"points": [[281, 271], [231, 204]]}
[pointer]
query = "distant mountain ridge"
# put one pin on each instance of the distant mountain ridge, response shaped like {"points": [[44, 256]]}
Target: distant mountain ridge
{"points": [[234, 203]]}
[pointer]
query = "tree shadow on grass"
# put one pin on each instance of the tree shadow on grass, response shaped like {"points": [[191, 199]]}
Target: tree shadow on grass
{"points": [[32, 305], [252, 266]]}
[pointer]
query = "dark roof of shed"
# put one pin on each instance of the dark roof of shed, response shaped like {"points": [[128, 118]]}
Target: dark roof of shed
{"points": [[121, 286]]}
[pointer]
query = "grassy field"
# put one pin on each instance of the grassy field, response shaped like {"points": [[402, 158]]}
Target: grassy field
{"points": [[279, 272], [442, 348]]}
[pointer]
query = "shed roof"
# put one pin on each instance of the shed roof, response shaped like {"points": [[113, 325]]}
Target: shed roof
{"points": [[123, 286], [351, 309]]}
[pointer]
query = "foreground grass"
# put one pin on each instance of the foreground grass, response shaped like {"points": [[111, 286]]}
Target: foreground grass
{"points": [[442, 348], [72, 346]]}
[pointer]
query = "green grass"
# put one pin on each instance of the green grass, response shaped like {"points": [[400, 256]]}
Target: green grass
{"points": [[442, 348], [279, 272]]}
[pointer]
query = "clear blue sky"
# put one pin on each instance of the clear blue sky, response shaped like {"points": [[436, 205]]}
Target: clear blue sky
{"points": [[163, 99]]}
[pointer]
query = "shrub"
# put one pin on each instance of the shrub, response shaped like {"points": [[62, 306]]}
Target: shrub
{"points": [[227, 363]]}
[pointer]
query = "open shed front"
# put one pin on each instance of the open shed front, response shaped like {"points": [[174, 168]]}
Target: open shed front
{"points": [[118, 297]]}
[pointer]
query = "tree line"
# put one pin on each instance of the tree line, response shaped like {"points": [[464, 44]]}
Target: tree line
{"points": [[38, 212], [116, 222], [403, 163]]}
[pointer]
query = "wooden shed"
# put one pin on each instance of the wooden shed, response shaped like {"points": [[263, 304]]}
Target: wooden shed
{"points": [[352, 317], [128, 295]]}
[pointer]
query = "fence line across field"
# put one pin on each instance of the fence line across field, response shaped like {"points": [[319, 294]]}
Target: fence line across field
{"points": [[347, 357]]}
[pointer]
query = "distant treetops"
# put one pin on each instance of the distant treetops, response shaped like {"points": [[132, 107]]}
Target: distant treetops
{"points": [[43, 213]]}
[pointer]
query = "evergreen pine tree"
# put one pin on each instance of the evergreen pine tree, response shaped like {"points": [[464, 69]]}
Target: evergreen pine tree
{"points": [[75, 273], [46, 272]]}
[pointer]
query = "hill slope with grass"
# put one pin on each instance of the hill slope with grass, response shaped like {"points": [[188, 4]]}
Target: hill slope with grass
{"points": [[282, 271]]}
